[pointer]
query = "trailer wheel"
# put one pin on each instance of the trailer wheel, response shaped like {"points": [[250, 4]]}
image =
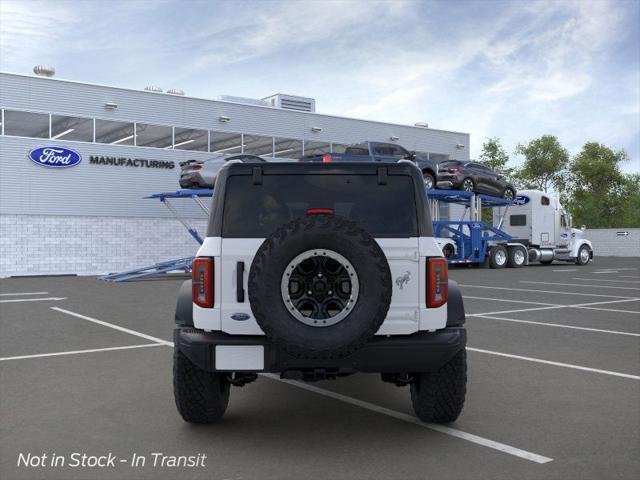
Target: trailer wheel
{"points": [[498, 256], [517, 257]]}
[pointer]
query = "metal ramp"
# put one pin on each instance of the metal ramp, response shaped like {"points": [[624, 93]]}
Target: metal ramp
{"points": [[473, 236], [179, 264]]}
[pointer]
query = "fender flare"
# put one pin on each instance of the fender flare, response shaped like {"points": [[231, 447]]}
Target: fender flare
{"points": [[455, 306], [580, 243], [184, 305]]}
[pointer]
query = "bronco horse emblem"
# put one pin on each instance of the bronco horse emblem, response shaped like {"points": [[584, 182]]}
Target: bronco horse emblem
{"points": [[402, 280]]}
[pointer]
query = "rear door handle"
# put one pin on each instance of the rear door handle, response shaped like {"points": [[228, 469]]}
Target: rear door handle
{"points": [[240, 282]]}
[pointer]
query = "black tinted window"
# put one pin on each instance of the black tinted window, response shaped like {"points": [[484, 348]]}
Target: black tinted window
{"points": [[518, 220], [257, 210]]}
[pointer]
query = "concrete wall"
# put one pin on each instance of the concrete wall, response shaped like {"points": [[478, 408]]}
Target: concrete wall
{"points": [[607, 242]]}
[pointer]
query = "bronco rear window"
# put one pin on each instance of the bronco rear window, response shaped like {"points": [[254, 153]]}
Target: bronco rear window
{"points": [[255, 211]]}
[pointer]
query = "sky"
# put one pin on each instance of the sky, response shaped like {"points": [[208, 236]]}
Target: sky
{"points": [[510, 69]]}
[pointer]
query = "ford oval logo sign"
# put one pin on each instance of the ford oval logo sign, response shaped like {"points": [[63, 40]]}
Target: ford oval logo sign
{"points": [[521, 200], [55, 157], [241, 317]]}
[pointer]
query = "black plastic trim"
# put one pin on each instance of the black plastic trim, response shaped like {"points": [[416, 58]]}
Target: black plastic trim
{"points": [[420, 352], [455, 306], [184, 306], [240, 282]]}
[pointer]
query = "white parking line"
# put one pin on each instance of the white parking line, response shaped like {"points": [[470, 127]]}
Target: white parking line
{"points": [[22, 293], [605, 280], [115, 327], [75, 352], [557, 364], [550, 306], [581, 285], [567, 270], [559, 325], [465, 297], [485, 442], [47, 299], [629, 276], [527, 290]]}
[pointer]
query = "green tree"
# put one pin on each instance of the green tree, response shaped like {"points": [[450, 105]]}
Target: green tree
{"points": [[545, 164], [599, 194], [494, 156]]}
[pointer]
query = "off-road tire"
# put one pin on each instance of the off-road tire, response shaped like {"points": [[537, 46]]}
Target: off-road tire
{"points": [[344, 237], [438, 397], [201, 396]]}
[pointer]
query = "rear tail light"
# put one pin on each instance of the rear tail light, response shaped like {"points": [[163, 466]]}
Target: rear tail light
{"points": [[326, 158], [437, 282], [454, 170], [319, 211], [196, 167], [202, 282]]}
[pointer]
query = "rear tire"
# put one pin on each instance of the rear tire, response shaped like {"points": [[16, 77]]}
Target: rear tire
{"points": [[517, 257], [498, 257], [429, 180], [438, 397], [509, 194], [201, 396], [468, 185]]}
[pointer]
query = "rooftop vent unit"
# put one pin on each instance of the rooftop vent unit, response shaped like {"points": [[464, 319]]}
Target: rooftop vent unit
{"points": [[243, 100], [44, 71], [153, 88], [175, 91], [291, 102]]}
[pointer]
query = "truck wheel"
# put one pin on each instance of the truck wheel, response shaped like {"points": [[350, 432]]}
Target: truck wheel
{"points": [[429, 180], [584, 254], [320, 287], [201, 396], [438, 397], [498, 257], [517, 257], [448, 251]]}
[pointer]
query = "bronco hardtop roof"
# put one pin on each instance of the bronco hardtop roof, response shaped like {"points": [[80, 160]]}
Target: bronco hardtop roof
{"points": [[417, 194]]}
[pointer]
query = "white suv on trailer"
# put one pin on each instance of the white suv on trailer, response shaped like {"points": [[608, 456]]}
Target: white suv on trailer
{"points": [[318, 271]]}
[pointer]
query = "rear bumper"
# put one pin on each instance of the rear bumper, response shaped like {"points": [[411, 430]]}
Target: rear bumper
{"points": [[420, 352]]}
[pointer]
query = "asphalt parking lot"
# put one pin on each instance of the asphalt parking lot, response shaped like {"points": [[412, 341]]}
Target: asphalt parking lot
{"points": [[553, 392]]}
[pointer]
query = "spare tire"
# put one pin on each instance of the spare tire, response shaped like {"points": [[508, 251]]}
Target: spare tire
{"points": [[320, 286]]}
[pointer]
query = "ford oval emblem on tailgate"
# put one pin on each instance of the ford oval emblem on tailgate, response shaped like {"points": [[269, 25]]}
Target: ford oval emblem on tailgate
{"points": [[241, 317], [55, 157]]}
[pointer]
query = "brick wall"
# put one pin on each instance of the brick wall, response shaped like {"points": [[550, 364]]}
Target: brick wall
{"points": [[41, 245]]}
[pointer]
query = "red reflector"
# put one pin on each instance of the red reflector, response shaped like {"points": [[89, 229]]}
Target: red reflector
{"points": [[437, 282], [320, 211], [202, 282], [326, 158]]}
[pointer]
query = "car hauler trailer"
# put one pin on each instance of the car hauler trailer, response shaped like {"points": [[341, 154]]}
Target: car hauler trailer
{"points": [[537, 229]]}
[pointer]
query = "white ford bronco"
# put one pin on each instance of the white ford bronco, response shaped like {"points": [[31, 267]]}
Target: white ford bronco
{"points": [[315, 271]]}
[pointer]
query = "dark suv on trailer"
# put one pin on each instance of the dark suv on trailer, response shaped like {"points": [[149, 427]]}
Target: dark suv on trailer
{"points": [[475, 177]]}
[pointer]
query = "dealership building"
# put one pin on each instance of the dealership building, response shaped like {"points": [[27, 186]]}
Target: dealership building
{"points": [[91, 217]]}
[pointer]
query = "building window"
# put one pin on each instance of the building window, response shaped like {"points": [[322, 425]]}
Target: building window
{"points": [[191, 139], [287, 148], [26, 124], [227, 143], [71, 128], [258, 145], [115, 133], [156, 136], [316, 148]]}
